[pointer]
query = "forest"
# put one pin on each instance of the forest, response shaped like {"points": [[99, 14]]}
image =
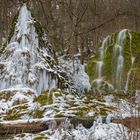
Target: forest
{"points": [[69, 70]]}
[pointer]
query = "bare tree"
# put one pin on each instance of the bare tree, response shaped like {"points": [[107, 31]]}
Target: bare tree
{"points": [[75, 24]]}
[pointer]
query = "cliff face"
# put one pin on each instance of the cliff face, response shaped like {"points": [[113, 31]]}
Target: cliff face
{"points": [[116, 65]]}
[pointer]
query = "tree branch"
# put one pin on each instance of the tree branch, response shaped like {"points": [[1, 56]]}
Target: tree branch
{"points": [[107, 21]]}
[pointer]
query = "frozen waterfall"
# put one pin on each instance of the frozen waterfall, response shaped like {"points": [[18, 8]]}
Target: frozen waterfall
{"points": [[24, 63]]}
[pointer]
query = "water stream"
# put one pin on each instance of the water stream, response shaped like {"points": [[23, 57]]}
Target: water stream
{"points": [[117, 67], [132, 63], [100, 63]]}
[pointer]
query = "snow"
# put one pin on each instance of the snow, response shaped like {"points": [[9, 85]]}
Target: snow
{"points": [[29, 121], [14, 97], [76, 72], [126, 109], [24, 61], [99, 131], [17, 88], [108, 98], [81, 80]]}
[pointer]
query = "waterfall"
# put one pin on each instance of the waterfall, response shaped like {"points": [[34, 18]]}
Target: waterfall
{"points": [[117, 65], [132, 62], [118, 55], [99, 69], [100, 63], [129, 74], [25, 63]]}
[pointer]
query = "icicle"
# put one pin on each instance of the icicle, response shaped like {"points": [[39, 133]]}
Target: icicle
{"points": [[25, 61]]}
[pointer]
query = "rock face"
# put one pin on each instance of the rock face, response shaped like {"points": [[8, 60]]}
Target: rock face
{"points": [[27, 60], [116, 65]]}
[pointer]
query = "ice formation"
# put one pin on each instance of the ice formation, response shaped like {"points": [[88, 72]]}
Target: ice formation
{"points": [[76, 72], [24, 62]]}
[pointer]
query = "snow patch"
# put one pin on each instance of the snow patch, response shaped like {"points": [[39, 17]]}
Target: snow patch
{"points": [[76, 72]]}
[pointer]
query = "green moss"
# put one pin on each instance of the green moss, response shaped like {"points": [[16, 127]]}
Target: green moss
{"points": [[21, 108], [135, 80], [40, 137], [82, 111], [16, 112], [53, 94], [13, 116], [59, 115], [103, 111], [38, 113], [40, 33], [12, 29], [98, 108], [50, 98], [79, 113], [131, 47], [91, 67], [42, 99], [47, 97]]}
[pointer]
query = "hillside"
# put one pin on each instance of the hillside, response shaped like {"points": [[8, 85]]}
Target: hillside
{"points": [[47, 95]]}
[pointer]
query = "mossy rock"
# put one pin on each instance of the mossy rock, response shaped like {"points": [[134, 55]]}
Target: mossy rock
{"points": [[42, 99], [131, 48], [38, 113], [16, 112], [47, 97], [41, 137]]}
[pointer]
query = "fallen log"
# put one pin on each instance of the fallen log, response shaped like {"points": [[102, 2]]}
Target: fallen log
{"points": [[132, 123], [29, 126], [38, 125]]}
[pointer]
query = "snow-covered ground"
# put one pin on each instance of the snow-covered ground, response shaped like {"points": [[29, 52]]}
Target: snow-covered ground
{"points": [[99, 131]]}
